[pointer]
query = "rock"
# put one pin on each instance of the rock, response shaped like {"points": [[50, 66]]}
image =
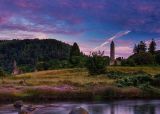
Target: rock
{"points": [[24, 112], [30, 108], [18, 105], [79, 111]]}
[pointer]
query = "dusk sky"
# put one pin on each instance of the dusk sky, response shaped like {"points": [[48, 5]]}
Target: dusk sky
{"points": [[90, 23]]}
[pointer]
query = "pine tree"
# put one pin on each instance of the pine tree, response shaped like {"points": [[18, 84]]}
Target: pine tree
{"points": [[152, 47], [75, 54], [75, 51], [142, 47], [135, 50]]}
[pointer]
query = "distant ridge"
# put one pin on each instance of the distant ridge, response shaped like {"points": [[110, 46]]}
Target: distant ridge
{"points": [[29, 52]]}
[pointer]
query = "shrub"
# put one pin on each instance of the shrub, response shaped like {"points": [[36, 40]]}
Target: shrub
{"points": [[156, 80], [128, 62], [96, 63], [2, 73], [78, 61], [143, 59], [135, 81], [157, 58], [116, 74]]}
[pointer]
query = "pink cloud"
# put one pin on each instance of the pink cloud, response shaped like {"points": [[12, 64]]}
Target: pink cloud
{"points": [[135, 22], [124, 42], [26, 4], [145, 8], [121, 51]]}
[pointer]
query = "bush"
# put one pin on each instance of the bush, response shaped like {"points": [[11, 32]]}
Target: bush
{"points": [[2, 73], [157, 56], [116, 74], [156, 80], [78, 61], [135, 81], [128, 62], [143, 59], [53, 64], [96, 63]]}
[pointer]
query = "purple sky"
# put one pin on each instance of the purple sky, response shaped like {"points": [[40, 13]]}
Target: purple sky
{"points": [[90, 23]]}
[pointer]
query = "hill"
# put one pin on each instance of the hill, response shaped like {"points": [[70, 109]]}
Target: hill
{"points": [[32, 54]]}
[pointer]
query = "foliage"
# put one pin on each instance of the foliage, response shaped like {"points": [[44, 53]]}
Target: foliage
{"points": [[135, 81], [31, 52], [142, 59], [75, 51], [157, 58], [53, 64], [135, 49], [2, 73], [27, 68], [77, 59], [72, 84], [116, 74], [120, 74], [140, 48], [152, 70], [96, 63], [156, 80], [128, 62], [152, 47]]}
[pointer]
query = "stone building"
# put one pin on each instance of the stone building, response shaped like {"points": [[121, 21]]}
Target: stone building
{"points": [[112, 53], [16, 70], [113, 60]]}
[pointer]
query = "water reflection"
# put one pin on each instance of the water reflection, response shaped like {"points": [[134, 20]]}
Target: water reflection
{"points": [[116, 107]]}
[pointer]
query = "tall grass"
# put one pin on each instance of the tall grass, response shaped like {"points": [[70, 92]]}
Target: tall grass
{"points": [[78, 83]]}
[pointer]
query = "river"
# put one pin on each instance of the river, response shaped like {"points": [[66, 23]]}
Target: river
{"points": [[110, 107]]}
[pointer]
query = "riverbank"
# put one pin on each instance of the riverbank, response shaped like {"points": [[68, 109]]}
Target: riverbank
{"points": [[72, 85]]}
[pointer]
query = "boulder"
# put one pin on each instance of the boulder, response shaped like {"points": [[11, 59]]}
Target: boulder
{"points": [[22, 109], [79, 110], [24, 112], [18, 105]]}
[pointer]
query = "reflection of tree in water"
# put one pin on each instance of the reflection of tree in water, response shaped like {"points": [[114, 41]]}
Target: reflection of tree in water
{"points": [[144, 109], [102, 109], [112, 109], [97, 109]]}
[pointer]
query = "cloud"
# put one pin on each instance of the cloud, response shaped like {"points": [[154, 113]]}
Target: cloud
{"points": [[118, 35], [123, 51], [18, 34]]}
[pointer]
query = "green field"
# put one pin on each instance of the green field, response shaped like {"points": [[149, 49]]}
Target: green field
{"points": [[69, 84]]}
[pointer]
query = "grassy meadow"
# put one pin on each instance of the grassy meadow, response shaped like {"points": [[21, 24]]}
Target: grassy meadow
{"points": [[72, 84]]}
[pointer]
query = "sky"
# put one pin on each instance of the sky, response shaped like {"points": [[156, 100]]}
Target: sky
{"points": [[93, 24]]}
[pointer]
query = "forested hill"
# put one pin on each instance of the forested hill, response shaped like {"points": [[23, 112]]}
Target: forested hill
{"points": [[30, 54]]}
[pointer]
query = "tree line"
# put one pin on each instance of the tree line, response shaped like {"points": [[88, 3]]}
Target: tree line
{"points": [[48, 54], [143, 55], [36, 54]]}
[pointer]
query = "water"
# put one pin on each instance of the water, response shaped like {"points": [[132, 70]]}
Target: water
{"points": [[116, 107]]}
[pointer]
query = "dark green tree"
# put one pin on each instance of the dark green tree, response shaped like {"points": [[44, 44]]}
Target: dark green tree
{"points": [[152, 47], [75, 51], [142, 48], [135, 49], [96, 63], [143, 59], [29, 53], [75, 54], [157, 58], [2, 73]]}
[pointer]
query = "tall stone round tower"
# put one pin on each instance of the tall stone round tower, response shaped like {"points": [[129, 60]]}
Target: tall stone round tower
{"points": [[112, 53]]}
